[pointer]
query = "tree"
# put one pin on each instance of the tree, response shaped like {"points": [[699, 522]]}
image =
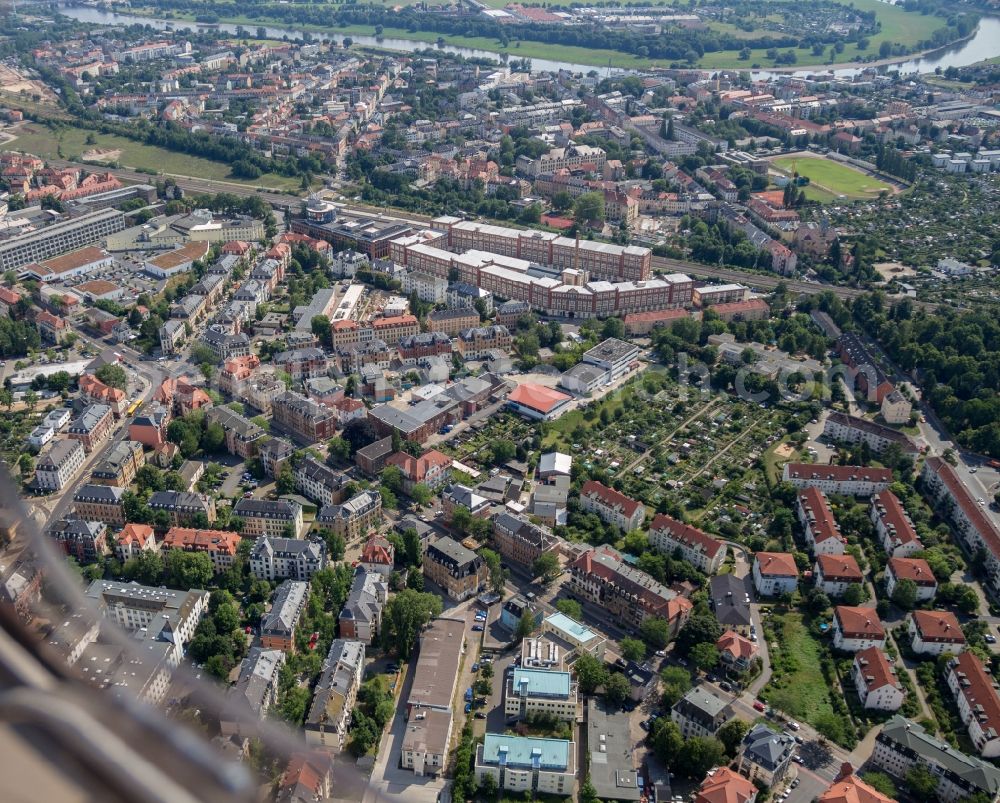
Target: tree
{"points": [[698, 755], [339, 449], [633, 649], [854, 594], [113, 375], [731, 735], [284, 483], [676, 683], [921, 783], [186, 570], [616, 690], [320, 326], [705, 656], [817, 601], [488, 786], [590, 673], [421, 495], [699, 628], [880, 782], [666, 740], [589, 208], [145, 568], [503, 450], [546, 566], [405, 616], [525, 626], [214, 438], [571, 608], [392, 478], [904, 595], [498, 575], [655, 631]]}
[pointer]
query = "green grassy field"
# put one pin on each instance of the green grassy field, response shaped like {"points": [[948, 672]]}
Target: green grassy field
{"points": [[798, 687], [830, 179], [71, 143]]}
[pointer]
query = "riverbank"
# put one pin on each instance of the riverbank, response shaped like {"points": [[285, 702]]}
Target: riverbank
{"points": [[901, 27]]}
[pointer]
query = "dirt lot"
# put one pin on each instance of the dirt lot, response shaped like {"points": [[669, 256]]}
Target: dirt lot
{"points": [[101, 155]]}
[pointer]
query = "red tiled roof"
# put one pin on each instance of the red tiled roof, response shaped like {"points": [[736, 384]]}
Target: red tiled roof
{"points": [[736, 645], [963, 498], [976, 685], [399, 320], [610, 497], [656, 315], [821, 519], [537, 397], [779, 564], [842, 568], [938, 626], [736, 307], [859, 622], [876, 669], [135, 533], [207, 540], [851, 789], [915, 569], [377, 550], [893, 516], [416, 468], [838, 473], [725, 786], [688, 535]]}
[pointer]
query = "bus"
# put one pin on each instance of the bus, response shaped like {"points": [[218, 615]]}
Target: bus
{"points": [[133, 407]]}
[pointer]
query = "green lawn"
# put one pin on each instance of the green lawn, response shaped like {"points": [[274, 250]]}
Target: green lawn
{"points": [[559, 433], [797, 686], [71, 143], [832, 177]]}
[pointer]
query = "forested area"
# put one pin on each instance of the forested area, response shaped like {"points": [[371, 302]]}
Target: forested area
{"points": [[956, 358]]}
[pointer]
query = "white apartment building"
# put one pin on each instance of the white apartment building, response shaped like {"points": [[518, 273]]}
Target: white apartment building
{"points": [[775, 573], [698, 548], [59, 465], [818, 523], [287, 558], [843, 480], [915, 569], [978, 703], [876, 682], [527, 763], [856, 628], [935, 633], [893, 526], [541, 691], [612, 506]]}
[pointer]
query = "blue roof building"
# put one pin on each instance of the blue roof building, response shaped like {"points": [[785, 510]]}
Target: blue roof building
{"points": [[519, 763]]}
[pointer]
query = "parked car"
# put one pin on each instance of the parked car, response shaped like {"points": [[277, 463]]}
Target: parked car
{"points": [[480, 715], [477, 628], [758, 705]]}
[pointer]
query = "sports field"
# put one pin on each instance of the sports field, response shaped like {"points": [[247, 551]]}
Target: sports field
{"points": [[832, 180]]}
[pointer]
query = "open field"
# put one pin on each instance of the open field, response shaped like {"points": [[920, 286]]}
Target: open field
{"points": [[798, 687], [832, 178], [71, 143]]}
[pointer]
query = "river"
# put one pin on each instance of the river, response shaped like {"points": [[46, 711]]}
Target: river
{"points": [[100, 17], [983, 44]]}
